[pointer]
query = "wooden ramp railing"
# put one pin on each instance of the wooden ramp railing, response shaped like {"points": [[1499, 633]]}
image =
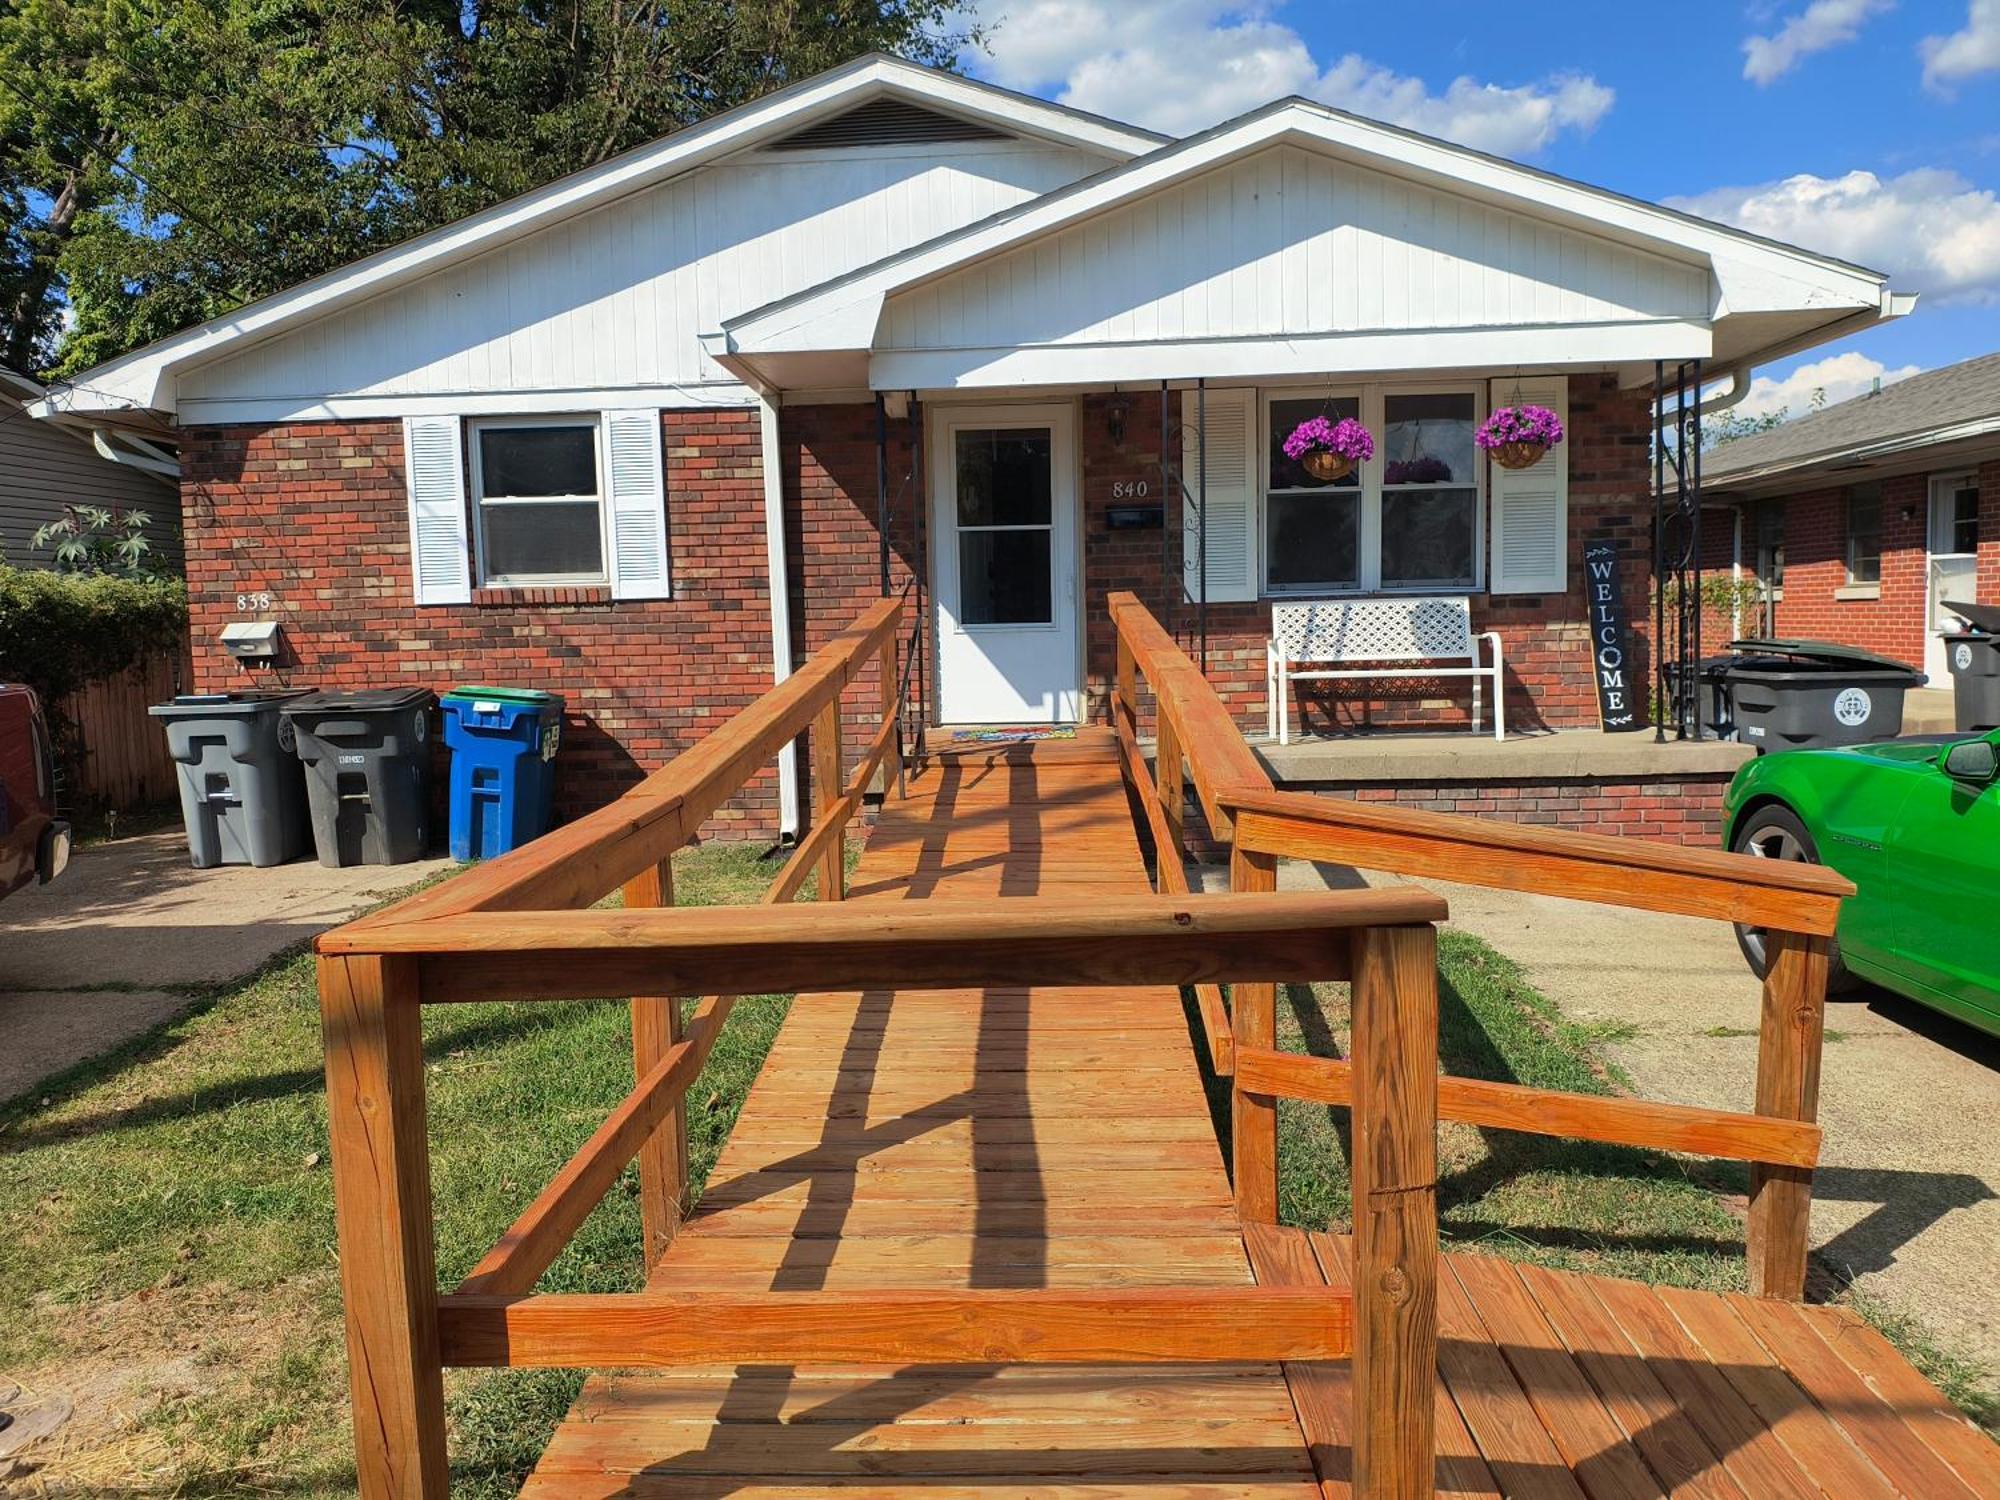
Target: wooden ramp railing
{"points": [[520, 929], [1798, 905]]}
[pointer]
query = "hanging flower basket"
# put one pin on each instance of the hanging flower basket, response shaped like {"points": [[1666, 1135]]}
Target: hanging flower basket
{"points": [[1329, 450], [1518, 436]]}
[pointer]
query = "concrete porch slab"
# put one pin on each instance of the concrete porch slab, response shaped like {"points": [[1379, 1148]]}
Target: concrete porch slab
{"points": [[1461, 757]]}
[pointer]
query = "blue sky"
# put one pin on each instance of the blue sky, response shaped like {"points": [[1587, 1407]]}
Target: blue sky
{"points": [[1868, 129]]}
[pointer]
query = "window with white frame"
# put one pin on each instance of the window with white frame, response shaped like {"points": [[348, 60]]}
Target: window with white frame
{"points": [[538, 498], [1408, 519]]}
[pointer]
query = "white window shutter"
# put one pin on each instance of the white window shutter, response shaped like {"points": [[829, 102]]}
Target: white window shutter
{"points": [[637, 489], [1530, 506], [434, 464], [1231, 494]]}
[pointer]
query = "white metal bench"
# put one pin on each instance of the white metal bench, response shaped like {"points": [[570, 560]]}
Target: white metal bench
{"points": [[1415, 631]]}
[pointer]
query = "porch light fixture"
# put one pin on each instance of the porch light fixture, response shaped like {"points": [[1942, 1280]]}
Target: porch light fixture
{"points": [[1115, 412]]}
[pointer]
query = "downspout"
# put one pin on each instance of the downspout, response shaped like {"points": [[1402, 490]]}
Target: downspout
{"points": [[1736, 575], [781, 602]]}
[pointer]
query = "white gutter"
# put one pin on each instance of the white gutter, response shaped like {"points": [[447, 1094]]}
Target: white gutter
{"points": [[1859, 453], [781, 601]]}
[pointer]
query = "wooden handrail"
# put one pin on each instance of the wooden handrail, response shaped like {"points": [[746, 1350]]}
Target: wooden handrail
{"points": [[1025, 940], [1797, 905], [917, 1327], [583, 861], [1588, 1117], [1606, 868]]}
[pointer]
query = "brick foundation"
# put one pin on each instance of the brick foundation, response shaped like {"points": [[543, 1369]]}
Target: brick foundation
{"points": [[1678, 810]]}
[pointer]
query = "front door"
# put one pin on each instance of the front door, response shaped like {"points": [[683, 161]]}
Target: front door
{"points": [[1003, 486], [1954, 564]]}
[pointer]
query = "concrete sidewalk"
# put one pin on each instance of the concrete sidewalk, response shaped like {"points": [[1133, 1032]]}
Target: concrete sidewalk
{"points": [[129, 934]]}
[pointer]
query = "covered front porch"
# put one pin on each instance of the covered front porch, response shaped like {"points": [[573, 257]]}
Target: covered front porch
{"points": [[1092, 393]]}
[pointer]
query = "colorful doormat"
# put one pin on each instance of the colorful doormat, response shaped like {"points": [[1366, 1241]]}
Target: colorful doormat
{"points": [[992, 734]]}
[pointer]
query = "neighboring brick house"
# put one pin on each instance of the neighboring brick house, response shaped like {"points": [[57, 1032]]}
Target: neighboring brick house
{"points": [[632, 436], [1860, 520]]}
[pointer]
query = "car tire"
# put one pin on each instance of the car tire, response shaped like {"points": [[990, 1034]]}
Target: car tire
{"points": [[1774, 831]]}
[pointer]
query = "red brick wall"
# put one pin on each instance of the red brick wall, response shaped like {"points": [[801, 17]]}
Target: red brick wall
{"points": [[317, 515], [1893, 622], [1687, 810], [1545, 638]]}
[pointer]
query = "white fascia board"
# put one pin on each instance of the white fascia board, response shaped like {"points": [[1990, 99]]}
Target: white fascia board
{"points": [[1796, 278], [143, 379], [220, 410], [1568, 346]]}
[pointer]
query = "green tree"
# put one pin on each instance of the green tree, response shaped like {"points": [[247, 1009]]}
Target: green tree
{"points": [[164, 161]]}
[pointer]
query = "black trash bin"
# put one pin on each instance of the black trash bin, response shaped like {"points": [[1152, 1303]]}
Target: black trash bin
{"points": [[242, 796], [1974, 656], [368, 770], [1790, 695]]}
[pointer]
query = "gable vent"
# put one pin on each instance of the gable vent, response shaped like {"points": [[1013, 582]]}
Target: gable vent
{"points": [[887, 122]]}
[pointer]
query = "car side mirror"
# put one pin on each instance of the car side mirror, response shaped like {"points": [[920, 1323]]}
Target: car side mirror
{"points": [[1974, 761]]}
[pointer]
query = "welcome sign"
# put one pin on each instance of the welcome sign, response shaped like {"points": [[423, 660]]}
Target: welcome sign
{"points": [[1610, 642]]}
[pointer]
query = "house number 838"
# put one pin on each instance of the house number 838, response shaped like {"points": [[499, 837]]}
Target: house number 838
{"points": [[259, 600]]}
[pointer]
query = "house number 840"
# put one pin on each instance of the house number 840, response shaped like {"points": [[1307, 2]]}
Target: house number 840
{"points": [[1129, 489]]}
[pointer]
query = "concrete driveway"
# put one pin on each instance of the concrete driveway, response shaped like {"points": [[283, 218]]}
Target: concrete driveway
{"points": [[1907, 1198], [130, 934]]}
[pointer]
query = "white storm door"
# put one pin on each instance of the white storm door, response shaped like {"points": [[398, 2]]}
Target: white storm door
{"points": [[1953, 570], [1003, 488]]}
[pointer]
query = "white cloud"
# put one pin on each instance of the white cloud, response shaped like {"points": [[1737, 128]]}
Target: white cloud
{"points": [[1974, 50], [1183, 65], [1840, 376], [1930, 229], [1822, 24]]}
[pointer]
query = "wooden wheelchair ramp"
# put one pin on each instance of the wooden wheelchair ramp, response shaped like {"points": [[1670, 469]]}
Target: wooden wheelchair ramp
{"points": [[1012, 1138], [992, 1138]]}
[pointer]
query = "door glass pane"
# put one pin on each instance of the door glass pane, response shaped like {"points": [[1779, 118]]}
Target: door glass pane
{"points": [[538, 461], [1003, 477], [1427, 537], [1003, 578], [1427, 440], [1314, 541], [1288, 474], [556, 538], [1965, 520]]}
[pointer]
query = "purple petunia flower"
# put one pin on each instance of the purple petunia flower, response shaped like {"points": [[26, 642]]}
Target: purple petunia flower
{"points": [[1520, 424], [1346, 437]]}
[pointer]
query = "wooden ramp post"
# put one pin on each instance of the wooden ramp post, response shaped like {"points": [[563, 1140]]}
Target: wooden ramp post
{"points": [[372, 1023], [1790, 1035], [1395, 1210]]}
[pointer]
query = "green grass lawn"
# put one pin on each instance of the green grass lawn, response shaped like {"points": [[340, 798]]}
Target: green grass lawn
{"points": [[169, 1244], [169, 1220]]}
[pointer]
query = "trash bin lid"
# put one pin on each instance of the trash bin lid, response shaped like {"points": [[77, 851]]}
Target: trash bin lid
{"points": [[1981, 617], [502, 695], [248, 701], [375, 700], [1825, 652]]}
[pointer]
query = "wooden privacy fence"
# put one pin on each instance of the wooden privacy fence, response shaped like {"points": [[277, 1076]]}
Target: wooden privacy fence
{"points": [[518, 929], [1797, 905], [123, 761]]}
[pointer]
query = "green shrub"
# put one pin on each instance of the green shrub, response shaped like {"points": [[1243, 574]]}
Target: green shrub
{"points": [[62, 631]]}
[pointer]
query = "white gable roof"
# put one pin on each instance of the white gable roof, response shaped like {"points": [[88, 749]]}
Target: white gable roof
{"points": [[981, 301], [145, 378]]}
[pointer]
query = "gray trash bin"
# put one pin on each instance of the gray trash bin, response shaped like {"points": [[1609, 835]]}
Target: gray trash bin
{"points": [[242, 795], [368, 771], [1790, 695], [1974, 657]]}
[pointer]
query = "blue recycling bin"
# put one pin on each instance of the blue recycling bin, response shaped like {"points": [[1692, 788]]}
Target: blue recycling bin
{"points": [[503, 766]]}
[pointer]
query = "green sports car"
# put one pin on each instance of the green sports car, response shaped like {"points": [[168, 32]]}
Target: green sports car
{"points": [[1915, 824]]}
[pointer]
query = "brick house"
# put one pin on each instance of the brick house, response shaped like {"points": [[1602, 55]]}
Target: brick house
{"points": [[647, 434], [1860, 520]]}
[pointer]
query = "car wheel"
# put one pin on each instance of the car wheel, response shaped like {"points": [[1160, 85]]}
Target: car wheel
{"points": [[1775, 832]]}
